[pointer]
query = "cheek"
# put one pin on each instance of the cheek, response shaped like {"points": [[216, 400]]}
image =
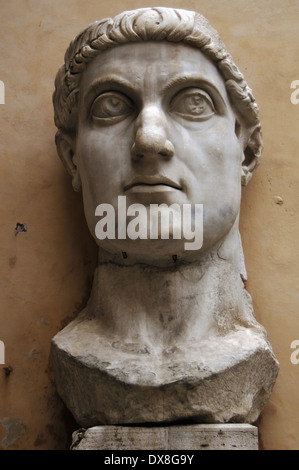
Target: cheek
{"points": [[92, 153], [224, 186], [223, 176], [212, 156], [101, 165], [212, 174]]}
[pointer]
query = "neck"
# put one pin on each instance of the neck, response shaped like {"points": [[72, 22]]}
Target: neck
{"points": [[167, 306]]}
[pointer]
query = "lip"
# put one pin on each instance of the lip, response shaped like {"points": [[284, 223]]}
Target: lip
{"points": [[152, 184]]}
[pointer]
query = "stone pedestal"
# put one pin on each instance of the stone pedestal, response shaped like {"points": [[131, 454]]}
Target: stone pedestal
{"points": [[219, 379], [184, 437]]}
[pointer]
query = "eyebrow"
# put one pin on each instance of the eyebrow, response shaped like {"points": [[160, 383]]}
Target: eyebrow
{"points": [[105, 83]]}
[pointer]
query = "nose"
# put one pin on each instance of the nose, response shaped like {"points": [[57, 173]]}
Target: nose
{"points": [[151, 135]]}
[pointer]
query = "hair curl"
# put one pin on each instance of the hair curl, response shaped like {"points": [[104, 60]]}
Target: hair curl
{"points": [[155, 24]]}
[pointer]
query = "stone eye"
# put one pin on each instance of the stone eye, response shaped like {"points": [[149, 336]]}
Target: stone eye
{"points": [[111, 107], [193, 104]]}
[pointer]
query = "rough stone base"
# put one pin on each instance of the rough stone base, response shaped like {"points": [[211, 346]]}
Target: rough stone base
{"points": [[193, 437], [221, 379]]}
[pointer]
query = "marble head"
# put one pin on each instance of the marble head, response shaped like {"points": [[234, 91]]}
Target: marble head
{"points": [[150, 105]]}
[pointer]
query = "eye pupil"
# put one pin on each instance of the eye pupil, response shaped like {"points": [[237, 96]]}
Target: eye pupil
{"points": [[111, 106], [193, 104], [116, 104]]}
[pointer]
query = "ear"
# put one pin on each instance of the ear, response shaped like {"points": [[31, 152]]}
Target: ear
{"points": [[251, 141], [65, 143]]}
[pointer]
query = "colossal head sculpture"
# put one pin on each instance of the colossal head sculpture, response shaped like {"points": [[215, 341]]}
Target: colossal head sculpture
{"points": [[157, 125]]}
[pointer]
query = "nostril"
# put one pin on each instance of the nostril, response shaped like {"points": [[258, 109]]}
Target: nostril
{"points": [[136, 153], [163, 154]]}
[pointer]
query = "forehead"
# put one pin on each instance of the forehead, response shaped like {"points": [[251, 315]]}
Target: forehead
{"points": [[152, 64]]}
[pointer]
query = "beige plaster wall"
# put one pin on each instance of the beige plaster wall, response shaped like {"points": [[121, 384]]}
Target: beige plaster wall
{"points": [[46, 272]]}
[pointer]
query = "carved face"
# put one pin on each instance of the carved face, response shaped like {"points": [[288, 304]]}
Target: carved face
{"points": [[155, 125]]}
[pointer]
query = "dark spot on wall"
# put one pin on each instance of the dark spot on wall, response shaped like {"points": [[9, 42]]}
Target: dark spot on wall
{"points": [[34, 353], [12, 261], [20, 228], [7, 370]]}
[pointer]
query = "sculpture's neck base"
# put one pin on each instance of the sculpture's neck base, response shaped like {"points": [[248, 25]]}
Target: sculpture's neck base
{"points": [[155, 306]]}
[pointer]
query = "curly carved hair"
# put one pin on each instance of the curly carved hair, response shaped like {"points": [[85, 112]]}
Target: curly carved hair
{"points": [[155, 24]]}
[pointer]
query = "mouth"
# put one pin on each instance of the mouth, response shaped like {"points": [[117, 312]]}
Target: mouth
{"points": [[157, 183]]}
